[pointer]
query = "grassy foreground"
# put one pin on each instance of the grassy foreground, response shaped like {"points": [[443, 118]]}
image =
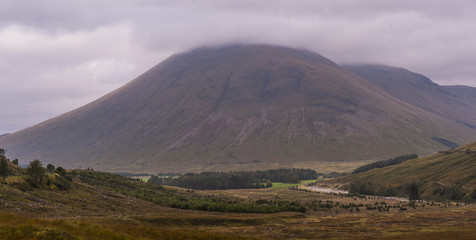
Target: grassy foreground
{"points": [[13, 226], [95, 205], [430, 223]]}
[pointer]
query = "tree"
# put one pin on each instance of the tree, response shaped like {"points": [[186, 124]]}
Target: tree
{"points": [[15, 161], [291, 178], [4, 171], [50, 167], [2, 152], [61, 171], [155, 180], [269, 183], [414, 192], [35, 171]]}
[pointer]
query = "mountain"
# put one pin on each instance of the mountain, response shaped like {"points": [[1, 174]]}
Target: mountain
{"points": [[464, 92], [239, 107], [457, 103], [447, 175]]}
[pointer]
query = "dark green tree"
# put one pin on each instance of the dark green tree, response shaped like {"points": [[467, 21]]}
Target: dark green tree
{"points": [[61, 171], [291, 178], [269, 183], [4, 170], [414, 192], [50, 167], [155, 180], [15, 161], [2, 152], [36, 172]]}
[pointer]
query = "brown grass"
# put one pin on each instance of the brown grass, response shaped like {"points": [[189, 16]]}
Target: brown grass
{"points": [[429, 222], [87, 212]]}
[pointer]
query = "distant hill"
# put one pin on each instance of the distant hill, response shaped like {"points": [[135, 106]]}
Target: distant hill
{"points": [[247, 107], [454, 102], [463, 92], [448, 175]]}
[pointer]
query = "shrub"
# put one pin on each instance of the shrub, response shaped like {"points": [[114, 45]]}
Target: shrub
{"points": [[61, 171], [473, 194], [35, 172], [62, 183]]}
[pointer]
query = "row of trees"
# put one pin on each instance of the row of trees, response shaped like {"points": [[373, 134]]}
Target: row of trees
{"points": [[35, 172], [184, 199], [37, 175], [385, 163], [372, 188], [413, 191], [236, 180]]}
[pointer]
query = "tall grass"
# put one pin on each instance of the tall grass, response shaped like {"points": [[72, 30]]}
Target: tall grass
{"points": [[21, 227]]}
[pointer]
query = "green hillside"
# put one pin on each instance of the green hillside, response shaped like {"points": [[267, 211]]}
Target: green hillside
{"points": [[448, 175]]}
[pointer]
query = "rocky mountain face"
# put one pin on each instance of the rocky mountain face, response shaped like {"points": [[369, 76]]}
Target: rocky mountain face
{"points": [[247, 107]]}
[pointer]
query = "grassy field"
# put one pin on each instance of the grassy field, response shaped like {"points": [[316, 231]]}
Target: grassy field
{"points": [[419, 225], [14, 226], [429, 222], [286, 185], [107, 206], [142, 178]]}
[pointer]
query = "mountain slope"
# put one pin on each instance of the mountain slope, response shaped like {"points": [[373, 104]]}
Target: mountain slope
{"points": [[464, 92], [457, 103], [236, 108], [446, 175]]}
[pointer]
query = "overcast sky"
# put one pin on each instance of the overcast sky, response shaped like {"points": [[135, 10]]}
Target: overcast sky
{"points": [[57, 55]]}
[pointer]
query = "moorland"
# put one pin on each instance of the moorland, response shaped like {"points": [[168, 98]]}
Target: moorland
{"points": [[88, 204]]}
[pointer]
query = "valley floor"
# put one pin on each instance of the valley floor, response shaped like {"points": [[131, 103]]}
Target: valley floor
{"points": [[335, 217]]}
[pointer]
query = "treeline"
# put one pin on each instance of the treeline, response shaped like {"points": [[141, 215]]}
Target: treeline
{"points": [[236, 180], [36, 176], [129, 174], [385, 163], [184, 199], [132, 174], [415, 191]]}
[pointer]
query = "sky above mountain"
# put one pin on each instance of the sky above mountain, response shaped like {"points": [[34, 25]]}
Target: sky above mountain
{"points": [[57, 55]]}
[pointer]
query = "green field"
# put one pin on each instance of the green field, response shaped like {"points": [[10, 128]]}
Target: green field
{"points": [[142, 178], [286, 185]]}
